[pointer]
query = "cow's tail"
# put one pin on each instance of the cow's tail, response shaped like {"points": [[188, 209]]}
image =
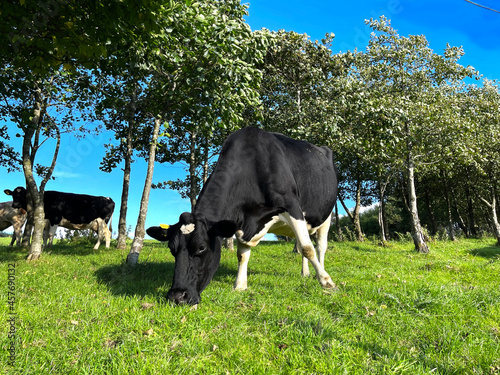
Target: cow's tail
{"points": [[110, 225]]}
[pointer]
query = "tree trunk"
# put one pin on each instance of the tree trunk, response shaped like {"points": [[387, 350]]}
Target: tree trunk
{"points": [[451, 231], [193, 188], [493, 211], [345, 207], [416, 229], [205, 164], [140, 231], [36, 196], [229, 243], [357, 222], [470, 209], [354, 216], [430, 212], [381, 210], [122, 223], [28, 228], [337, 220], [461, 222]]}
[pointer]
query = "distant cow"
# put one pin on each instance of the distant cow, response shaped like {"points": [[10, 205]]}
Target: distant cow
{"points": [[263, 182], [98, 225], [72, 211], [15, 217]]}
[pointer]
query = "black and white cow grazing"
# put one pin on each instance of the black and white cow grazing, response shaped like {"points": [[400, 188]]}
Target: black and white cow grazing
{"points": [[15, 217], [72, 211], [263, 182]]}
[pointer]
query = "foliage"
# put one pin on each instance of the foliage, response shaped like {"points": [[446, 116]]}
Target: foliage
{"points": [[84, 311], [299, 88], [209, 81], [9, 158]]}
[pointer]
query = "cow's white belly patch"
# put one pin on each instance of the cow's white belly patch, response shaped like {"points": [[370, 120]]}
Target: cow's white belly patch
{"points": [[279, 224]]}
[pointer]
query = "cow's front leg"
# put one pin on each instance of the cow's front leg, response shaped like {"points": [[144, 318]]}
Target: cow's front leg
{"points": [[243, 253]]}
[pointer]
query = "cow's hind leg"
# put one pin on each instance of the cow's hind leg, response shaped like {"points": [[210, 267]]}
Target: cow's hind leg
{"points": [[308, 251], [48, 234], [100, 226], [243, 257], [98, 243], [322, 240], [305, 265]]}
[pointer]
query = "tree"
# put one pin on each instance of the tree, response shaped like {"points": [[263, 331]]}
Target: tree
{"points": [[298, 87], [209, 83], [187, 145], [42, 108], [44, 52], [202, 74], [483, 147], [301, 87], [123, 83], [407, 78], [140, 231]]}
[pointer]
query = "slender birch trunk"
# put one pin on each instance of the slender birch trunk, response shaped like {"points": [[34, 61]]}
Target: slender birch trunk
{"points": [[357, 222], [416, 228], [451, 231], [461, 222], [140, 230], [493, 211], [354, 216], [31, 143], [381, 210], [193, 191], [122, 223], [28, 228], [337, 220], [36, 196]]}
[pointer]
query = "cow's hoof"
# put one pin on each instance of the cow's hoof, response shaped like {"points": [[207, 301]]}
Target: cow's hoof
{"points": [[327, 283], [240, 286]]}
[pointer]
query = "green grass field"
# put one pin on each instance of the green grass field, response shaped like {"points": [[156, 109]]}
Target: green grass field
{"points": [[80, 311]]}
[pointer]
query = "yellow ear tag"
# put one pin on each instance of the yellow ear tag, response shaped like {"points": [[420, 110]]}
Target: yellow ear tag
{"points": [[164, 226]]}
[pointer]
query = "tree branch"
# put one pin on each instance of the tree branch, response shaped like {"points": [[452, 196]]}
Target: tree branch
{"points": [[482, 6]]}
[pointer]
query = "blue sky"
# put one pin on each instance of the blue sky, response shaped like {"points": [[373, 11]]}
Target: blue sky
{"points": [[456, 22]]}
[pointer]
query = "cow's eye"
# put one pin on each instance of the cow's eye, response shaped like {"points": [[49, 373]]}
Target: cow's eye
{"points": [[201, 249]]}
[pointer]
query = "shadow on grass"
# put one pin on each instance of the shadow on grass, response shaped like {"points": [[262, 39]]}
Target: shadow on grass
{"points": [[17, 253], [148, 278], [12, 254], [488, 252]]}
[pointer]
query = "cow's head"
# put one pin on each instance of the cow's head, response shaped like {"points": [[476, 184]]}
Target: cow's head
{"points": [[196, 245], [18, 197]]}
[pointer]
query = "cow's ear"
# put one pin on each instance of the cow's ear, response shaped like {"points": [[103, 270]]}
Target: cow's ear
{"points": [[224, 228], [8, 192], [159, 233]]}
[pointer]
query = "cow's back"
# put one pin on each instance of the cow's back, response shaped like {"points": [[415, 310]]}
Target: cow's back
{"points": [[76, 208], [258, 169]]}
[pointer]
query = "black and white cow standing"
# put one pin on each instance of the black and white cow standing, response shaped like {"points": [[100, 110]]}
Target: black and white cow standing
{"points": [[72, 211], [15, 217], [263, 182]]}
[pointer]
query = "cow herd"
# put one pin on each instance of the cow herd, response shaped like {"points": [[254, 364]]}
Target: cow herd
{"points": [[262, 183]]}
